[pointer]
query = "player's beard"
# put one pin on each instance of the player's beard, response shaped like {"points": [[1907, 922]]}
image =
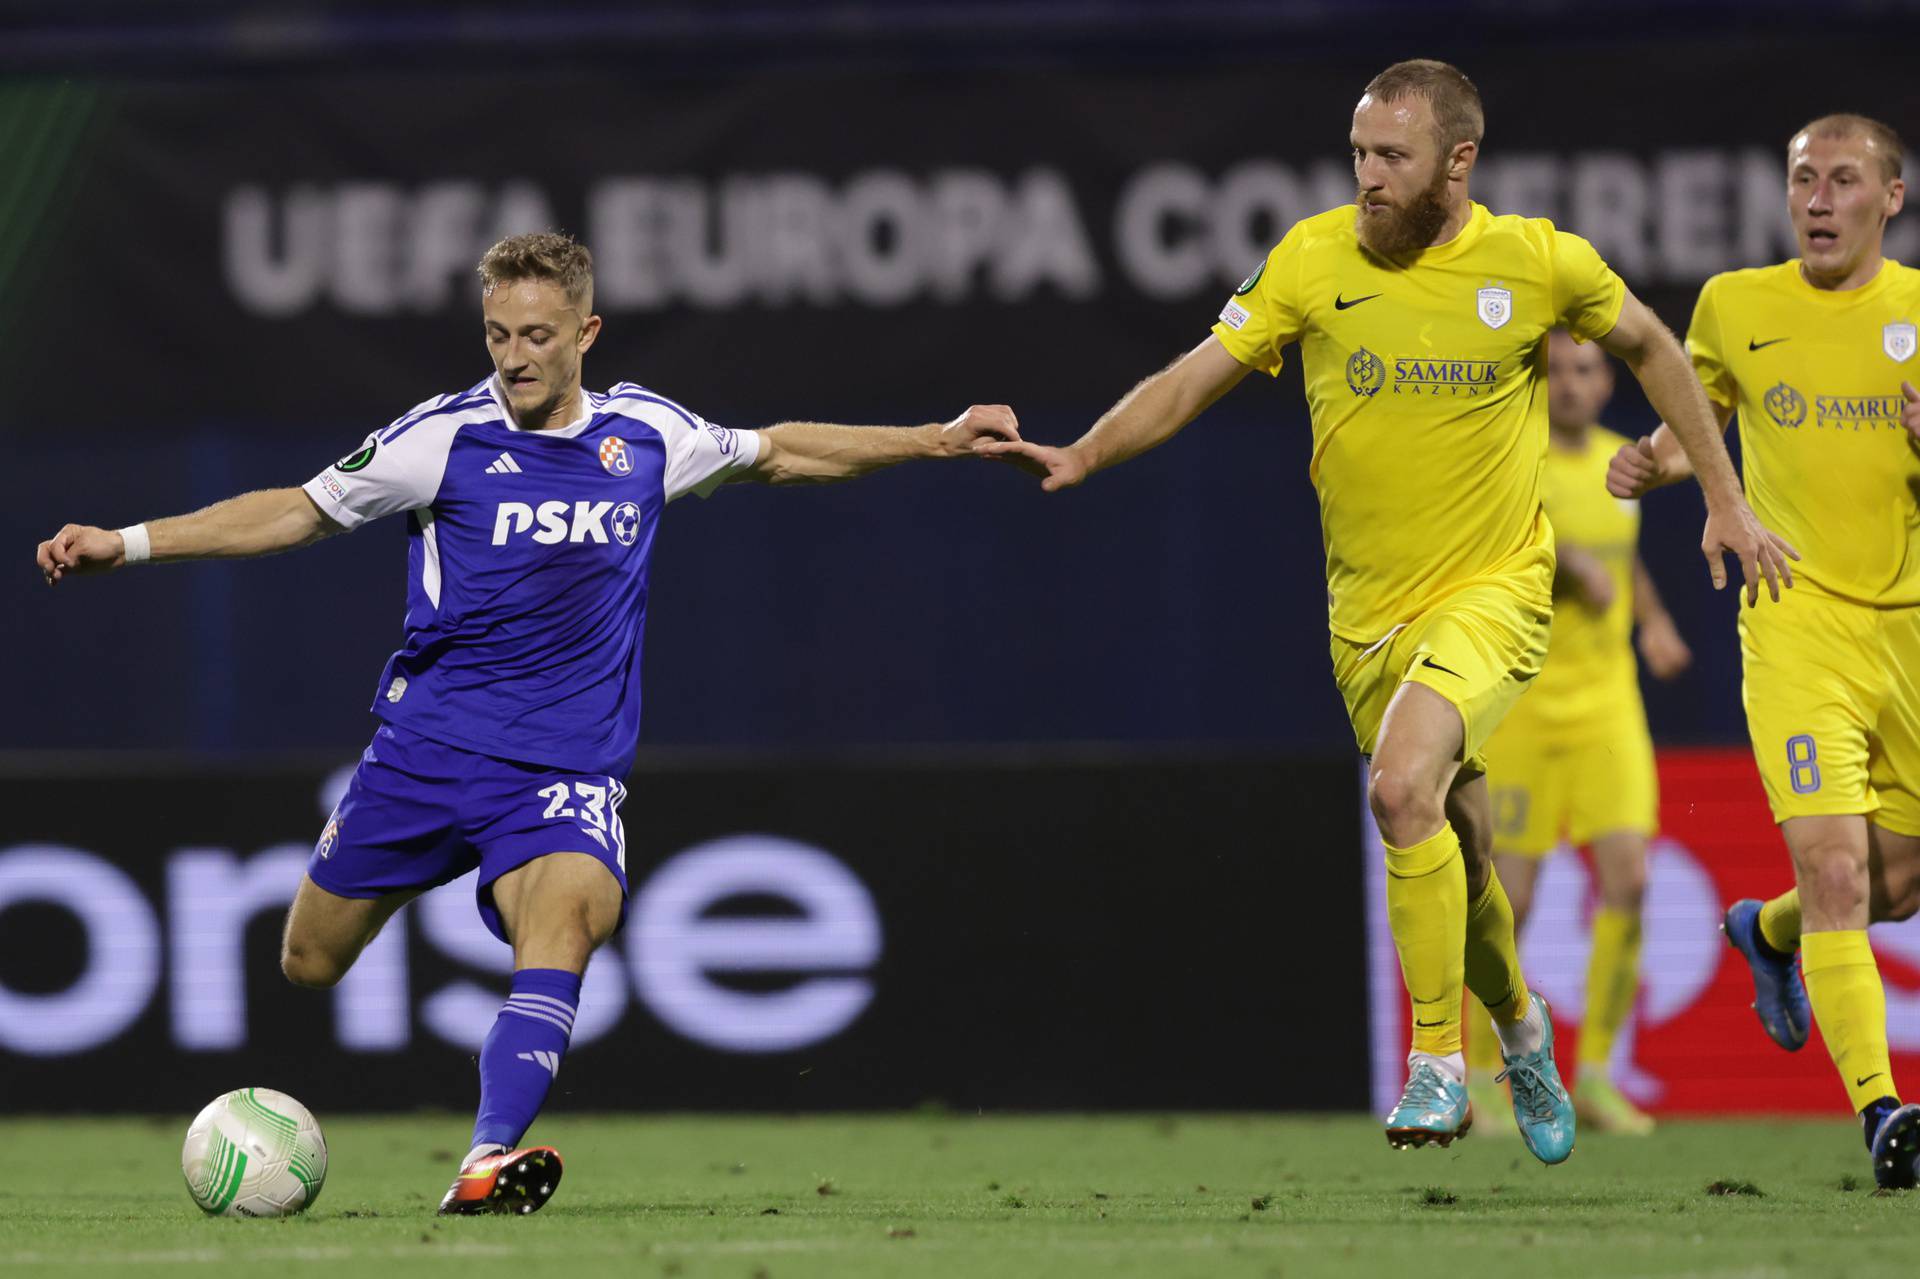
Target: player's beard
{"points": [[1404, 231]]}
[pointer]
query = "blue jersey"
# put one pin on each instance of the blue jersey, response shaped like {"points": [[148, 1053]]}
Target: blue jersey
{"points": [[527, 564]]}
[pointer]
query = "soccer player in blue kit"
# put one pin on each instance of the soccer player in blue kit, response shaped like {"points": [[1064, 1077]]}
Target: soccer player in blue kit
{"points": [[511, 712]]}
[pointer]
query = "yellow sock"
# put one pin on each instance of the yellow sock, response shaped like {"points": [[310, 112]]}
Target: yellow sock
{"points": [[1427, 910], [1492, 957], [1483, 1046], [1613, 979], [1780, 922], [1850, 1004]]}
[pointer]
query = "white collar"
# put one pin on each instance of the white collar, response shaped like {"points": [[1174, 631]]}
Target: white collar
{"points": [[572, 428]]}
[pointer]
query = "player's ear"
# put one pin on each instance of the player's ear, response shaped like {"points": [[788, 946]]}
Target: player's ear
{"points": [[1460, 160], [1896, 197], [589, 330]]}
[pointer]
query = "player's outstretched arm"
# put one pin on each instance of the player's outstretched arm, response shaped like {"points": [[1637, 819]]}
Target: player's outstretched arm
{"points": [[820, 452], [1150, 414], [251, 524], [1664, 372]]}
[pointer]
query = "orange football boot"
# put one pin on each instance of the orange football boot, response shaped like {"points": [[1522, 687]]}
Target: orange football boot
{"points": [[518, 1181]]}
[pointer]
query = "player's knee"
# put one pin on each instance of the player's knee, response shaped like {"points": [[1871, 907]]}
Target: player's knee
{"points": [[305, 967], [1833, 878], [1403, 805], [1627, 892]]}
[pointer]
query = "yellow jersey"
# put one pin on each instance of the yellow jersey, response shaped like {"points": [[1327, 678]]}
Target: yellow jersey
{"points": [[1590, 664], [1426, 383], [1815, 376]]}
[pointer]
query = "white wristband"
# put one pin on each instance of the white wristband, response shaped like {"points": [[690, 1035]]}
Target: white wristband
{"points": [[139, 546]]}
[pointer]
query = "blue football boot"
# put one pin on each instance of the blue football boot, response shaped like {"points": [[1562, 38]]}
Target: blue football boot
{"points": [[1541, 1105], [1779, 995], [1896, 1150], [1433, 1109]]}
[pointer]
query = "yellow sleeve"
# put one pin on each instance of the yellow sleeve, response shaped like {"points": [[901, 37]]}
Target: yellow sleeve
{"points": [[1703, 345], [1587, 295], [1263, 314]]}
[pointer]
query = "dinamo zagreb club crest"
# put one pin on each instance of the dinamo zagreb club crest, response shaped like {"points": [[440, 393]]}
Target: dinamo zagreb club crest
{"points": [[613, 456], [1365, 372], [1495, 306], [1897, 340]]}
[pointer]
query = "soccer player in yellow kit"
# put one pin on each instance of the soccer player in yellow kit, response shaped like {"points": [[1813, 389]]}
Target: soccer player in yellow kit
{"points": [[1422, 322], [1816, 355], [1573, 761]]}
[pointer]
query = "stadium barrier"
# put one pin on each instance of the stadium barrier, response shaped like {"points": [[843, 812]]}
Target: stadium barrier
{"points": [[993, 931], [1694, 1045]]}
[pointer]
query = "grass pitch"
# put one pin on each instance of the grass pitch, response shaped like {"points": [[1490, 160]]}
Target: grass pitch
{"points": [[788, 1198]]}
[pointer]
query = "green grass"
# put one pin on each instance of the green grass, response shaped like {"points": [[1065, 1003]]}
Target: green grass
{"points": [[936, 1195]]}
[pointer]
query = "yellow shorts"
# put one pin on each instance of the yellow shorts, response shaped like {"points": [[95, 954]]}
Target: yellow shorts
{"points": [[1550, 786], [1832, 692], [1478, 648]]}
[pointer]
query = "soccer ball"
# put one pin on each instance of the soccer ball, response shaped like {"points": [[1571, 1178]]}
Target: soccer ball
{"points": [[254, 1153]]}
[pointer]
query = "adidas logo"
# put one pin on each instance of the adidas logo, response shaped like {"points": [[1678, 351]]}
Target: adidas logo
{"points": [[551, 1061], [504, 465]]}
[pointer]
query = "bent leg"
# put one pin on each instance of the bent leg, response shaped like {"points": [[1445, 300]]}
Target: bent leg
{"points": [[1893, 890], [556, 911], [1492, 955], [1516, 875], [326, 932], [1893, 863]]}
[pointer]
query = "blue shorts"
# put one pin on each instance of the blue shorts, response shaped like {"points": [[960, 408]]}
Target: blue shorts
{"points": [[419, 813]]}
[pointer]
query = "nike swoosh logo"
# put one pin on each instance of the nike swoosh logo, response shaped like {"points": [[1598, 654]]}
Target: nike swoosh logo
{"points": [[1862, 1083], [1341, 304], [1430, 1024], [1428, 661], [1755, 346]]}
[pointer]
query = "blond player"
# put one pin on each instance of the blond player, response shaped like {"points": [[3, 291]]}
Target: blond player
{"points": [[1422, 323], [1573, 761], [1817, 354]]}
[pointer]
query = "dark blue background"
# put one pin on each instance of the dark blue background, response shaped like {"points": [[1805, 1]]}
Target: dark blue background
{"points": [[1179, 598]]}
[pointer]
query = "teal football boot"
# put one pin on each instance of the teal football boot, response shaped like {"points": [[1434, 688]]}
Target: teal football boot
{"points": [[1541, 1105], [1433, 1109]]}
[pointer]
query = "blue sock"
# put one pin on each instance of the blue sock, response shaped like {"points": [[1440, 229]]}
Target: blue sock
{"points": [[521, 1056]]}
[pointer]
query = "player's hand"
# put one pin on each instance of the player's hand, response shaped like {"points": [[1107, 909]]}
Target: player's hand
{"points": [[1910, 411], [80, 548], [1735, 529], [1665, 653], [980, 422], [1634, 469], [1058, 468]]}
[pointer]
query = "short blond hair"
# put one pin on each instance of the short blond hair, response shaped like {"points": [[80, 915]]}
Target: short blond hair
{"points": [[541, 255], [1455, 103], [1845, 124]]}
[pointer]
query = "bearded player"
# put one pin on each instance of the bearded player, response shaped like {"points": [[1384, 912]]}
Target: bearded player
{"points": [[1422, 322], [1573, 762], [1816, 355], [511, 712]]}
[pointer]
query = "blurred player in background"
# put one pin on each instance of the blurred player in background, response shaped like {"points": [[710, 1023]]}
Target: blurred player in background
{"points": [[1421, 319], [1573, 760], [1815, 353], [512, 711]]}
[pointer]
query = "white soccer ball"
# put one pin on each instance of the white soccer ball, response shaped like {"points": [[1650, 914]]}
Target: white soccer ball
{"points": [[254, 1153]]}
